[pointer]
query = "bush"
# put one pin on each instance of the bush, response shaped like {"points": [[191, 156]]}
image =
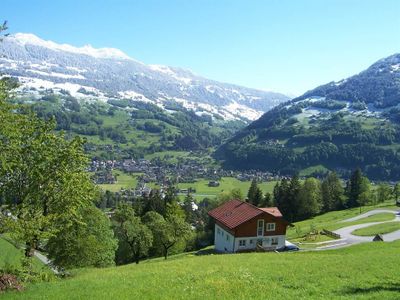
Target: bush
{"points": [[9, 282]]}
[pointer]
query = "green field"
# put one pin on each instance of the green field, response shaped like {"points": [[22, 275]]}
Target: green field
{"points": [[124, 181], [378, 229], [310, 170], [226, 185], [332, 274]]}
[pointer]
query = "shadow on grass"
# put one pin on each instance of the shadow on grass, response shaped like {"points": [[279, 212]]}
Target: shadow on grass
{"points": [[372, 289], [207, 252]]}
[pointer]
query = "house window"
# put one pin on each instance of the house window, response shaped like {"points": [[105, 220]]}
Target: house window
{"points": [[242, 243], [274, 241], [251, 242], [260, 227], [227, 237], [270, 226], [218, 231]]}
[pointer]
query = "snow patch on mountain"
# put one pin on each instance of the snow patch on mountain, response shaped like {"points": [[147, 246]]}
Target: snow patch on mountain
{"points": [[167, 70], [53, 74], [31, 39], [108, 73]]}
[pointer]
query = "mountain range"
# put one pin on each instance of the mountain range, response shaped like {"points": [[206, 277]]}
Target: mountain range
{"points": [[338, 126], [108, 73]]}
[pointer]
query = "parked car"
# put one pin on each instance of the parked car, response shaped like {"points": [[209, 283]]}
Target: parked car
{"points": [[289, 247]]}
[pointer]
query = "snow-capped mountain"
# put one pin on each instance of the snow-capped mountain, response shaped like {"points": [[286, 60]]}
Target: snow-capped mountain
{"points": [[87, 72]]}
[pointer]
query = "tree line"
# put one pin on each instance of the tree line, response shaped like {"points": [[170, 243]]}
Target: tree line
{"points": [[299, 200]]}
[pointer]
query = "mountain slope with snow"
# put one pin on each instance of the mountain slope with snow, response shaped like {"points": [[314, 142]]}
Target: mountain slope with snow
{"points": [[109, 73], [338, 126]]}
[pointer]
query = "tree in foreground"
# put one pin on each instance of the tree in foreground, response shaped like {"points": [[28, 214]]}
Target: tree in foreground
{"points": [[169, 231], [91, 243], [133, 235], [43, 178]]}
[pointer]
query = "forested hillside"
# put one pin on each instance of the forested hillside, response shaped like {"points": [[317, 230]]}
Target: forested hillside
{"points": [[126, 128], [338, 126]]}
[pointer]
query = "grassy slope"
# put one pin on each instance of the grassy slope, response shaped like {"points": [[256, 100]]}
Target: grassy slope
{"points": [[377, 229], [308, 275], [11, 256]]}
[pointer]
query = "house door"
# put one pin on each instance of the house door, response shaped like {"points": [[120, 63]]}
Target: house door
{"points": [[260, 228]]}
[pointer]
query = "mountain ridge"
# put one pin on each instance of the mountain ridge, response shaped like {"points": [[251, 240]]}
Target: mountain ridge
{"points": [[110, 73], [338, 126]]}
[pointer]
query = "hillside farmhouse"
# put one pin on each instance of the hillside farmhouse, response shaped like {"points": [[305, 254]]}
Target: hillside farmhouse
{"points": [[241, 226]]}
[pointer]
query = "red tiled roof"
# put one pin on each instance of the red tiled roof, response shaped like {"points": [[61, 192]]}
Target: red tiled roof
{"points": [[235, 212], [272, 211]]}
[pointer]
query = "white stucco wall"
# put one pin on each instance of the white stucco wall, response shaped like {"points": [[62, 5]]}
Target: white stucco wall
{"points": [[266, 242], [223, 240], [226, 242]]}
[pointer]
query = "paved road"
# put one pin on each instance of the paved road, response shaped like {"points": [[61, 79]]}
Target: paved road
{"points": [[370, 213], [347, 239], [45, 260], [350, 239]]}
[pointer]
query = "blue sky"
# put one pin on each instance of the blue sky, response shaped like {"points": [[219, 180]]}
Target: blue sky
{"points": [[281, 45]]}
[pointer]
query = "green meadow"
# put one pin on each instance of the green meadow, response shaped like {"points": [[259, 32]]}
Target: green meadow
{"points": [[366, 271]]}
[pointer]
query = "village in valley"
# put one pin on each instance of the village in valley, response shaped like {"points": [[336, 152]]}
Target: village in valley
{"points": [[161, 173]]}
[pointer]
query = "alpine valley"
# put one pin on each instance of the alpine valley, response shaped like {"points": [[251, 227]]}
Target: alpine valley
{"points": [[337, 126]]}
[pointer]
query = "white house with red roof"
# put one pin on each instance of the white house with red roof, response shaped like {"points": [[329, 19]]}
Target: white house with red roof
{"points": [[241, 226]]}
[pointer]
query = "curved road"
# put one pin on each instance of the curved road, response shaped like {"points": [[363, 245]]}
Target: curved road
{"points": [[345, 232], [370, 213]]}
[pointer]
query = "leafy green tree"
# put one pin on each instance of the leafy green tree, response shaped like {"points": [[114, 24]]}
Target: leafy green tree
{"points": [[354, 188], [167, 232], [171, 195], [43, 178], [132, 234], [154, 202], [267, 201], [293, 196], [384, 192], [396, 191], [309, 199], [236, 193], [188, 208], [88, 244], [332, 193]]}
